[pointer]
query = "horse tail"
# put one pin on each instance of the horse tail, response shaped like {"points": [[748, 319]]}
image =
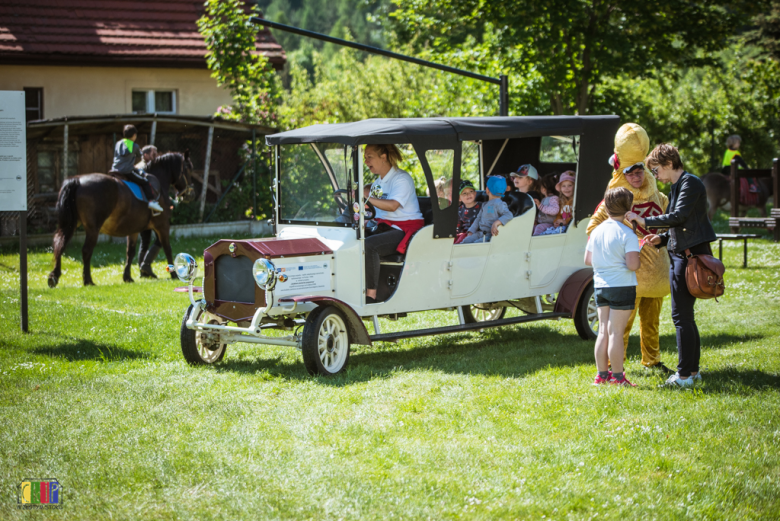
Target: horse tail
{"points": [[67, 214]]}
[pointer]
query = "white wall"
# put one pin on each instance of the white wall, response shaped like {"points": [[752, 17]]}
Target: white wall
{"points": [[93, 91]]}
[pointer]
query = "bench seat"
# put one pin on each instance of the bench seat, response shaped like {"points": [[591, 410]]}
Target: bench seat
{"points": [[753, 222]]}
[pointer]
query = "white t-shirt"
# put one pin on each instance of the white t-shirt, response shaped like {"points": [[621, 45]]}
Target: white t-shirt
{"points": [[397, 185], [609, 243]]}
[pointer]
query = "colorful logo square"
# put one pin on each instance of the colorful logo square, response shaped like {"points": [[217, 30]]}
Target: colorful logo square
{"points": [[40, 493]]}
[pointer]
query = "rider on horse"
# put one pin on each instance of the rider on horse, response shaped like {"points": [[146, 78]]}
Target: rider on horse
{"points": [[126, 154]]}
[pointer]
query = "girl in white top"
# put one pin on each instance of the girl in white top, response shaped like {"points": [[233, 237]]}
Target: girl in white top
{"points": [[613, 251]]}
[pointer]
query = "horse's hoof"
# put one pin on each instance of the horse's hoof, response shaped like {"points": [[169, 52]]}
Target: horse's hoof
{"points": [[53, 281], [129, 279], [147, 273], [89, 283]]}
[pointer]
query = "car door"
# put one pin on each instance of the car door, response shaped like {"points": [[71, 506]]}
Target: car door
{"points": [[543, 258]]}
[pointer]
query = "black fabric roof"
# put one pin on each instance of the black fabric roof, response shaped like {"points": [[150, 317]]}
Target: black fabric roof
{"points": [[411, 130]]}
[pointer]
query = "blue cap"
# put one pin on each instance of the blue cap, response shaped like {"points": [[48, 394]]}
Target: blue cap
{"points": [[496, 185]]}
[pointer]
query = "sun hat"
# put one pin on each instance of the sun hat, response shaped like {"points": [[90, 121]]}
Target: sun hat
{"points": [[568, 175], [496, 185], [466, 184], [526, 170]]}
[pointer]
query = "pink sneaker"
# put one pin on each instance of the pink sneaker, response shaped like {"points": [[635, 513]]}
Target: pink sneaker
{"points": [[622, 381], [600, 381]]}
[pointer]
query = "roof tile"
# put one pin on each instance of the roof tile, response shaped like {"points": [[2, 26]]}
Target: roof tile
{"points": [[148, 32]]}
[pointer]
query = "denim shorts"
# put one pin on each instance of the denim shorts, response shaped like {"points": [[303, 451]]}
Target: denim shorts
{"points": [[622, 297]]}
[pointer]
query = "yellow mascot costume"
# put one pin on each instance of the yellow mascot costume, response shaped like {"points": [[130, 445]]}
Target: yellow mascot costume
{"points": [[631, 147]]}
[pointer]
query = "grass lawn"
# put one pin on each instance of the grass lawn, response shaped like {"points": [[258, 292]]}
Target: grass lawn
{"points": [[503, 424]]}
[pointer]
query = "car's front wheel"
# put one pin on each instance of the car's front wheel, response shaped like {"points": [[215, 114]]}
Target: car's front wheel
{"points": [[325, 342], [482, 313], [201, 347], [586, 319]]}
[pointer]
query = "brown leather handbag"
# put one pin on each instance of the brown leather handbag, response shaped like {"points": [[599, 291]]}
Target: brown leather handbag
{"points": [[704, 276]]}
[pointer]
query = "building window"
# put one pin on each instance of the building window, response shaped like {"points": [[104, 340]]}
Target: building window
{"points": [[160, 101], [33, 103], [50, 173]]}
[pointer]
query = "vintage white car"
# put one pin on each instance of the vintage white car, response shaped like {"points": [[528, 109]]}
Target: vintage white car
{"points": [[309, 280]]}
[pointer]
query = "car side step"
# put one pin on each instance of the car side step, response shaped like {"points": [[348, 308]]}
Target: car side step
{"points": [[388, 337]]}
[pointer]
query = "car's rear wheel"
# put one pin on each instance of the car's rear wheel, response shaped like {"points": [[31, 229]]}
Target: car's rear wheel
{"points": [[482, 313], [199, 347], [325, 343], [586, 319]]}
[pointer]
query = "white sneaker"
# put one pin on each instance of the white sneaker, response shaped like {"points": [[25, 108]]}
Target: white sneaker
{"points": [[677, 381], [154, 205]]}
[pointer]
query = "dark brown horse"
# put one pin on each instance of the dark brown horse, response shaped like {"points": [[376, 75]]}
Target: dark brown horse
{"points": [[104, 204], [719, 193]]}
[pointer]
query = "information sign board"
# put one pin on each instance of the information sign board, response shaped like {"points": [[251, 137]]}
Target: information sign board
{"points": [[13, 152], [303, 278]]}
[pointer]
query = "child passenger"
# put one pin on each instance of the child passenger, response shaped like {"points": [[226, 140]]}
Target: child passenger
{"points": [[525, 179], [549, 206], [443, 191], [613, 251], [493, 214], [467, 210], [565, 187]]}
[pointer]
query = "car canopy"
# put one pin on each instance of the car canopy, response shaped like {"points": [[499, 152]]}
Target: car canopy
{"points": [[596, 144]]}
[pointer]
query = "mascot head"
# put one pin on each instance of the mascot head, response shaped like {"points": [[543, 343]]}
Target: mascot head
{"points": [[631, 147], [631, 144]]}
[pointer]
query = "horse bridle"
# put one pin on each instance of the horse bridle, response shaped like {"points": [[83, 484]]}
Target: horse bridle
{"points": [[187, 191]]}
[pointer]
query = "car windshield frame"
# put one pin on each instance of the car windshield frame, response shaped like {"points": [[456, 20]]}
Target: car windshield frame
{"points": [[329, 177]]}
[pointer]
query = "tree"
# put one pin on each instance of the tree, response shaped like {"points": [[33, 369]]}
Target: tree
{"points": [[236, 63], [572, 45], [767, 35], [696, 109]]}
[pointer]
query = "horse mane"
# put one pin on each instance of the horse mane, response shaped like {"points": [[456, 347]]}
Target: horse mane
{"points": [[170, 161]]}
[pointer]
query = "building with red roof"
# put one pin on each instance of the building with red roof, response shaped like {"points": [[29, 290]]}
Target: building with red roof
{"points": [[88, 67], [87, 57]]}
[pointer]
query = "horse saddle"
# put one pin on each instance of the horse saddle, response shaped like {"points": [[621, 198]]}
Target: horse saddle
{"points": [[138, 192]]}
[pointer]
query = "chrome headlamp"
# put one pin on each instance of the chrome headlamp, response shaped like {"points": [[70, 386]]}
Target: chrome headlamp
{"points": [[264, 274], [185, 267]]}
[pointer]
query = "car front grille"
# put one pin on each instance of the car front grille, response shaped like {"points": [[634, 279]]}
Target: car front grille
{"points": [[233, 279]]}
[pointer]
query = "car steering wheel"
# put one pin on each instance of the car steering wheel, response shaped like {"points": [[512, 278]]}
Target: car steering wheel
{"points": [[370, 210], [339, 201]]}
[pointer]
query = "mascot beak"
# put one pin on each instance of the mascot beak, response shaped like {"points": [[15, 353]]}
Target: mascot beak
{"points": [[614, 162]]}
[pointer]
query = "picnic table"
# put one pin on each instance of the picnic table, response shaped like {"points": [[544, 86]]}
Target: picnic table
{"points": [[735, 237]]}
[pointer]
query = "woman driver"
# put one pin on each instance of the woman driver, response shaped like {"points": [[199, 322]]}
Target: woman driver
{"points": [[397, 210]]}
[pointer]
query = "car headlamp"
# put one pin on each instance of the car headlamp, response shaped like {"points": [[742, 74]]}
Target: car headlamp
{"points": [[264, 274], [185, 267]]}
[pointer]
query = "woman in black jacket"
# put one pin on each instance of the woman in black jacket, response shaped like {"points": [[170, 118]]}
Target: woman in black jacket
{"points": [[689, 228]]}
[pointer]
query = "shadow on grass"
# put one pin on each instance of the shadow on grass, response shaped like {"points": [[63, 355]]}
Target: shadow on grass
{"points": [[732, 380], [506, 352], [3, 267], [668, 342], [78, 349]]}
